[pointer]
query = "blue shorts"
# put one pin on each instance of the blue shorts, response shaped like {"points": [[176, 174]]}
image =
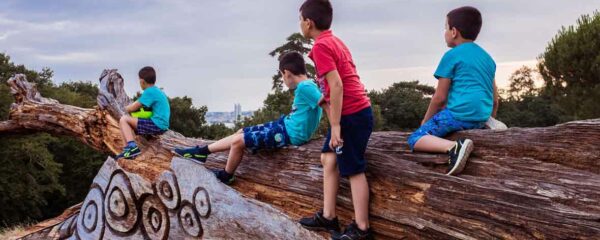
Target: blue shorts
{"points": [[147, 127], [356, 130], [271, 135], [440, 125]]}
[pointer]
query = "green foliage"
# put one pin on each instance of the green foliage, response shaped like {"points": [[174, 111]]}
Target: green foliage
{"points": [[401, 106], [570, 67], [189, 120], [41, 175], [29, 175], [185, 118], [523, 105]]}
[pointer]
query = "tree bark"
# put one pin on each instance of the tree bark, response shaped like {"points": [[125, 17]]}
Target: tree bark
{"points": [[520, 183]]}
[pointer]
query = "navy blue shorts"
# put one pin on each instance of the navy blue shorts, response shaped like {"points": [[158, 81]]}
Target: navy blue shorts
{"points": [[271, 135], [147, 127], [356, 130]]}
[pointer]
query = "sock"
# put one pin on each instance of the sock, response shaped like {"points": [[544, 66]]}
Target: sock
{"points": [[227, 175], [131, 144], [204, 150]]}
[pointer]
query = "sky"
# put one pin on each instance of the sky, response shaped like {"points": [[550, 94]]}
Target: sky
{"points": [[216, 51]]}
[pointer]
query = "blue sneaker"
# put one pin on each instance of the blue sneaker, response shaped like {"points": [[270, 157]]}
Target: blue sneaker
{"points": [[193, 153], [129, 152]]}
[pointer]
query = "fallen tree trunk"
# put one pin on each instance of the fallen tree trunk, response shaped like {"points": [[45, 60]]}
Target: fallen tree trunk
{"points": [[537, 183]]}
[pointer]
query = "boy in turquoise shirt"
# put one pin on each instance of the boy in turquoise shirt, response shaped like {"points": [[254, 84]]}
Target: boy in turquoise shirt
{"points": [[466, 94], [296, 128], [153, 99]]}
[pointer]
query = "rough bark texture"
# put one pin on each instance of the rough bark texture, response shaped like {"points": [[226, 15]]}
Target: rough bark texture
{"points": [[537, 183]]}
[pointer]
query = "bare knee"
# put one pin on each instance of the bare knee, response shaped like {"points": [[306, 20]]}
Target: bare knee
{"points": [[124, 120], [328, 160], [238, 141]]}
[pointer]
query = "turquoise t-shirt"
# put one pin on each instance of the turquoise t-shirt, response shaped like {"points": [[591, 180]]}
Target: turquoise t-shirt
{"points": [[304, 119], [471, 70], [154, 98]]}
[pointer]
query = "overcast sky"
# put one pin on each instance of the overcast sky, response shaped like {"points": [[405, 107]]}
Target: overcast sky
{"points": [[217, 51]]}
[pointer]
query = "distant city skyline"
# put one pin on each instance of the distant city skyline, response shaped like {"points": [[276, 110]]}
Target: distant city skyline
{"points": [[216, 52]]}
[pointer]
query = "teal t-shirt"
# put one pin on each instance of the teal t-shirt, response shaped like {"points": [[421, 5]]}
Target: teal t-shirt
{"points": [[304, 119], [154, 98], [471, 70]]}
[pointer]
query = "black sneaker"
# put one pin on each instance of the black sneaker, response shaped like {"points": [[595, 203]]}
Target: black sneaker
{"points": [[459, 155], [352, 232], [223, 176], [319, 223], [193, 153]]}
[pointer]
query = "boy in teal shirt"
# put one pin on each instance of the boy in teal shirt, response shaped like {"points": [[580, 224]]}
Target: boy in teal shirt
{"points": [[466, 94], [153, 99], [295, 128]]}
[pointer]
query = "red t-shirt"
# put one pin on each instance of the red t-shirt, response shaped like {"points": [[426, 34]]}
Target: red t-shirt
{"points": [[330, 53]]}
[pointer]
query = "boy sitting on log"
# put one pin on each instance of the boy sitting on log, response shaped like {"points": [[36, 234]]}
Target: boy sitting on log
{"points": [[295, 128], [158, 123], [466, 95]]}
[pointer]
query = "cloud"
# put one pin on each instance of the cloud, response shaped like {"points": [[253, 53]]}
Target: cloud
{"points": [[216, 51], [70, 57]]}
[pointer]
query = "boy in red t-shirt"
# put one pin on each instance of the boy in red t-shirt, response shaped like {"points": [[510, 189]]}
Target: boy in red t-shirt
{"points": [[351, 119]]}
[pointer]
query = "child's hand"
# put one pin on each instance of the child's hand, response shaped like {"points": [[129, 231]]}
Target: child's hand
{"points": [[336, 139]]}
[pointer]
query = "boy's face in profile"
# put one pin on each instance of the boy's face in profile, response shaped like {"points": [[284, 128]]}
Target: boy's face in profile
{"points": [[143, 84], [450, 35], [287, 80], [304, 26]]}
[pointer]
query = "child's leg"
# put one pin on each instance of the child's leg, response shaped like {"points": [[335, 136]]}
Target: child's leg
{"points": [[225, 144], [430, 143], [331, 180], [127, 125], [429, 137], [360, 199], [236, 152]]}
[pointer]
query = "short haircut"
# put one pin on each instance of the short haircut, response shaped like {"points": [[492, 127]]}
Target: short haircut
{"points": [[148, 74], [293, 62], [319, 11], [467, 20]]}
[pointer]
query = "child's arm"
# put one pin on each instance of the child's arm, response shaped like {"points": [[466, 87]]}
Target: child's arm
{"points": [[438, 101], [133, 107], [323, 104], [336, 90], [496, 101]]}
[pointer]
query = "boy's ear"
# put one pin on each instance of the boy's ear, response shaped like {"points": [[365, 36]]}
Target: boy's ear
{"points": [[455, 32]]}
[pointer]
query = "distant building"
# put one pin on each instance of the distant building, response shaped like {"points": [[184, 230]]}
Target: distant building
{"points": [[237, 112], [228, 118]]}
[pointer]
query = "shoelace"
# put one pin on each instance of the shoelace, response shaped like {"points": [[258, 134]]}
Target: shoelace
{"points": [[455, 152]]}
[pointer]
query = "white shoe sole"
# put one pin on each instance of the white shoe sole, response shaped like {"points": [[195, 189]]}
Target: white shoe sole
{"points": [[463, 156]]}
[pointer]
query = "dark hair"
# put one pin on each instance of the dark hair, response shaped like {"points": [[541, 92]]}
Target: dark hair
{"points": [[148, 74], [293, 62], [320, 11], [467, 20]]}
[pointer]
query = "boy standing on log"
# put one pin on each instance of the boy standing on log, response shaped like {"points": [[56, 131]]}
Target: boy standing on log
{"points": [[295, 128], [466, 94], [152, 98], [351, 123]]}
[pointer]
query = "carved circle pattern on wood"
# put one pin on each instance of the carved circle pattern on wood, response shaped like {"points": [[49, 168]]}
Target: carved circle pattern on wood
{"points": [[121, 210], [168, 190], [189, 219], [202, 202], [90, 222], [155, 218]]}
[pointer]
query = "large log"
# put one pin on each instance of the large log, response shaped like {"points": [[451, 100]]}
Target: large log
{"points": [[536, 183]]}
